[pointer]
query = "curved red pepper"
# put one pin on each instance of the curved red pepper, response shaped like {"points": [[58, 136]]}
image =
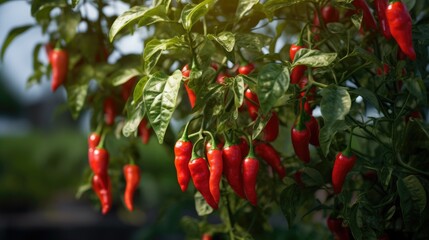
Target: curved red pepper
{"points": [[200, 176], [127, 88], [297, 71], [250, 174], [271, 129], [186, 72], [300, 141], [313, 127], [109, 111], [214, 157], [144, 131], [401, 27], [132, 178], [102, 188], [59, 59], [368, 19], [232, 158], [252, 103], [270, 156], [182, 155], [380, 7], [342, 166]]}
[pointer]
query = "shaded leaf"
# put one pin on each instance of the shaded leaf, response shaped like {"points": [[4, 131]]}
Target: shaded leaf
{"points": [[15, 32], [335, 104]]}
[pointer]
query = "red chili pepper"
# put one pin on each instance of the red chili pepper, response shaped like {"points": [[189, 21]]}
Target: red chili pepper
{"points": [[99, 162], [207, 236], [297, 71], [271, 130], [270, 156], [380, 7], [109, 111], [329, 14], [246, 69], [201, 176], [127, 88], [221, 77], [214, 157], [368, 19], [244, 147], [300, 141], [186, 72], [335, 225], [59, 60], [252, 103], [49, 47], [132, 178], [144, 131], [344, 162], [93, 140], [313, 127], [232, 167], [401, 27], [102, 188], [182, 155], [250, 174]]}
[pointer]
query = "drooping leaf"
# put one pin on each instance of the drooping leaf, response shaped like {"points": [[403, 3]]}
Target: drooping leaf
{"points": [[135, 114], [225, 39], [201, 205], [78, 89], [155, 47], [243, 7], [313, 58], [413, 200], [15, 32], [311, 177], [192, 13], [153, 15], [273, 82], [129, 17], [327, 133], [160, 96], [335, 104], [290, 198], [138, 89]]}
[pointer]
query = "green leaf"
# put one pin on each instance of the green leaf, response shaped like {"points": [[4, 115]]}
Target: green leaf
{"points": [[238, 88], [77, 89], [138, 89], [153, 15], [243, 7], [160, 96], [155, 47], [123, 75], [251, 41], [313, 58], [412, 199], [192, 13], [260, 124], [15, 32], [273, 81], [290, 199], [38, 6], [355, 221], [128, 17], [335, 103], [201, 205], [327, 133], [311, 177], [82, 189], [67, 27], [273, 5], [135, 114], [75, 3], [225, 39], [367, 95]]}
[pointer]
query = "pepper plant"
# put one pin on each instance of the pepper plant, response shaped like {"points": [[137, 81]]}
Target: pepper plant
{"points": [[260, 74]]}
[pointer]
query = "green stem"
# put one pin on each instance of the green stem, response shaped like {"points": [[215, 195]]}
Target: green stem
{"points": [[408, 167]]}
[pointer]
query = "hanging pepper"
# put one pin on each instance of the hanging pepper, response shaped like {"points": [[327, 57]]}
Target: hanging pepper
{"points": [[207, 236], [109, 111], [132, 178], [201, 177], [301, 136], [271, 130], [401, 27], [127, 88], [250, 173], [186, 72], [246, 69], [313, 126], [368, 19], [99, 162], [252, 103], [297, 71], [329, 14], [144, 131], [214, 157], [380, 7], [59, 60], [93, 140], [344, 162], [270, 156], [103, 190], [244, 147], [335, 225], [232, 167], [182, 155]]}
